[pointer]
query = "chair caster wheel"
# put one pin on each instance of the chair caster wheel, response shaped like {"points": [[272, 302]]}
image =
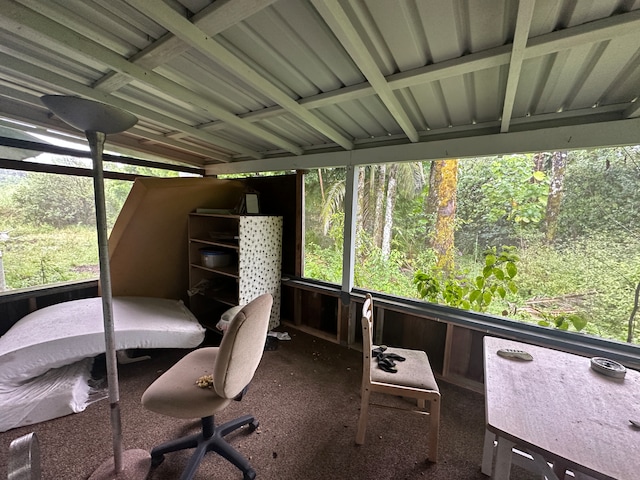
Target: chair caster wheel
{"points": [[249, 475], [253, 426], [155, 461]]}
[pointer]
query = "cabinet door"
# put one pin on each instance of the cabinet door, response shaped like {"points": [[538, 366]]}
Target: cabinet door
{"points": [[260, 261]]}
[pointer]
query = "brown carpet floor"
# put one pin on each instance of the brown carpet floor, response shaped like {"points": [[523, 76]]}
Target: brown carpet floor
{"points": [[306, 397]]}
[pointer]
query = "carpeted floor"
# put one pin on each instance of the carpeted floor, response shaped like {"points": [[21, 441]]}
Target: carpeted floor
{"points": [[306, 397]]}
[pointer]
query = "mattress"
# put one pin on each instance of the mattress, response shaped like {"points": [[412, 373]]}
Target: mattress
{"points": [[46, 357]]}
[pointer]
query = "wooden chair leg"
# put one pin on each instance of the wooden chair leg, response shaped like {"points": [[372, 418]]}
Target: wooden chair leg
{"points": [[434, 429], [364, 413]]}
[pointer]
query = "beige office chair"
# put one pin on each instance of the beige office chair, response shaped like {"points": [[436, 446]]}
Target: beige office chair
{"points": [[232, 366], [401, 372]]}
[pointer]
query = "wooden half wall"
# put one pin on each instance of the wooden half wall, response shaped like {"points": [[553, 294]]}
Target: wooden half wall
{"points": [[148, 243]]}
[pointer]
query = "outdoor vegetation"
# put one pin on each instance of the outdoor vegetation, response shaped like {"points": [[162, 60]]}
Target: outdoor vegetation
{"points": [[548, 238], [48, 227]]}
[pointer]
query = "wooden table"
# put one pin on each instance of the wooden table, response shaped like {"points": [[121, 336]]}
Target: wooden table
{"points": [[559, 410]]}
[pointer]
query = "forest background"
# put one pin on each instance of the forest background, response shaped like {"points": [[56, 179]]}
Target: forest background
{"points": [[549, 238], [565, 222]]}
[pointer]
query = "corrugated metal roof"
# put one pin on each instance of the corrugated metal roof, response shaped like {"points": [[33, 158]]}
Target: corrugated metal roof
{"points": [[221, 82]]}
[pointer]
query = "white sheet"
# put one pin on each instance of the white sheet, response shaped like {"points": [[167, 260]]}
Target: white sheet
{"points": [[56, 393], [64, 336]]}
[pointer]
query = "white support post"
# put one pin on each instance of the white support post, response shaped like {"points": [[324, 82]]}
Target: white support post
{"points": [[349, 248], [349, 242]]}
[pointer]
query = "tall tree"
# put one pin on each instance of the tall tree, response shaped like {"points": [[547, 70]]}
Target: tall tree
{"points": [[441, 206], [378, 214], [360, 217], [392, 186], [558, 169]]}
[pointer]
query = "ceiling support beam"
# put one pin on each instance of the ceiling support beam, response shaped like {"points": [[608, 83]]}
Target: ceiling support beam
{"points": [[523, 25], [26, 23], [596, 31], [215, 18], [634, 109], [191, 35], [339, 22], [571, 137], [69, 86]]}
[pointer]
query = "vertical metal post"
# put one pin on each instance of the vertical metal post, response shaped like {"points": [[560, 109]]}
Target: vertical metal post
{"points": [[349, 247], [349, 242], [96, 143]]}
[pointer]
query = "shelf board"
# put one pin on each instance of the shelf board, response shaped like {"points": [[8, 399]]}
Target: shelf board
{"points": [[217, 243], [229, 271], [226, 298], [215, 215]]}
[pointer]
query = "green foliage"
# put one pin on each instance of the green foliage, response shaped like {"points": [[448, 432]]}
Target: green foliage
{"points": [[393, 274], [563, 321], [63, 200], [66, 201], [499, 200], [410, 225], [601, 192], [592, 276], [514, 192], [44, 255], [469, 292]]}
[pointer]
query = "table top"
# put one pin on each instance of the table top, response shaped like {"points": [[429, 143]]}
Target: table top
{"points": [[556, 405]]}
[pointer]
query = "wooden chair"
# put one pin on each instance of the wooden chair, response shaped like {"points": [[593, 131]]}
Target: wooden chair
{"points": [[413, 379]]}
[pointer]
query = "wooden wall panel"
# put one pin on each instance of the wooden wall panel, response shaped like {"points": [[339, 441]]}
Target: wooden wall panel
{"points": [[278, 196], [148, 244]]}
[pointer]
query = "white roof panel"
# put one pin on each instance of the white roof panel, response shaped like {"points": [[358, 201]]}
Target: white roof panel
{"points": [[229, 85]]}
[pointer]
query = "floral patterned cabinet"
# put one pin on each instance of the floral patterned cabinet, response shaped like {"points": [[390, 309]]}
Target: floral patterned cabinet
{"points": [[232, 260]]}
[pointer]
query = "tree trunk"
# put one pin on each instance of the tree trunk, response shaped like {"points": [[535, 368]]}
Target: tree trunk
{"points": [[360, 216], [378, 219], [388, 214], [441, 206], [321, 184], [558, 169]]}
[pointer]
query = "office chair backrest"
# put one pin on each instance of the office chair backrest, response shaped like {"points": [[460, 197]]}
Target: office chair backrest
{"points": [[242, 347]]}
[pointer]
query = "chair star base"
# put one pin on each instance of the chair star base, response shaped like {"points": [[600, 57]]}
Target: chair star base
{"points": [[211, 439]]}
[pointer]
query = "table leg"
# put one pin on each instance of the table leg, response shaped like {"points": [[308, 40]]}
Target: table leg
{"points": [[502, 467], [487, 452], [559, 469]]}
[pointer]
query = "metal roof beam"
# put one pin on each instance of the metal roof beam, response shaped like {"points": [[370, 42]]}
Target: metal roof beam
{"points": [[339, 22], [569, 137], [24, 22], [523, 25], [181, 27], [66, 85], [215, 18], [596, 31], [36, 120]]}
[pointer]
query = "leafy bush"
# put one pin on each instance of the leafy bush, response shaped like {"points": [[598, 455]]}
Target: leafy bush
{"points": [[593, 276], [466, 291], [67, 202]]}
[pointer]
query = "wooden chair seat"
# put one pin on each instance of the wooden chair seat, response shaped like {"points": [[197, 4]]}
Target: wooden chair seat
{"points": [[414, 372]]}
